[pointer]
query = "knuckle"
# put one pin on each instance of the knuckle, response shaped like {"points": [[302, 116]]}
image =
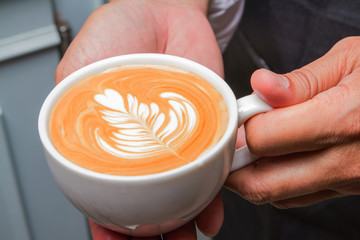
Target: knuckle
{"points": [[340, 118], [254, 191], [304, 79], [325, 135], [350, 153], [350, 132], [348, 48], [348, 42], [254, 144], [349, 117]]}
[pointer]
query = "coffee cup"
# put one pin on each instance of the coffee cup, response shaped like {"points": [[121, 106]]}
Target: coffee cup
{"points": [[155, 203]]}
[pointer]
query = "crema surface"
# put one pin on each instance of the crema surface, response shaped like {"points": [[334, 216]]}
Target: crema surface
{"points": [[137, 120]]}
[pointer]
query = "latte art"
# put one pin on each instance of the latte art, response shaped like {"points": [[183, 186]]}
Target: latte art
{"points": [[137, 120], [139, 134]]}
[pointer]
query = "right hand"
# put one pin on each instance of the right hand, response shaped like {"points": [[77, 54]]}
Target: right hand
{"points": [[311, 142], [154, 26]]}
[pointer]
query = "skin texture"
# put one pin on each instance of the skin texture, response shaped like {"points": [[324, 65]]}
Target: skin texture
{"points": [[310, 142], [123, 27]]}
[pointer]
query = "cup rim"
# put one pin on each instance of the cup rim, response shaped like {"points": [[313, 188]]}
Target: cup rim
{"points": [[138, 58]]}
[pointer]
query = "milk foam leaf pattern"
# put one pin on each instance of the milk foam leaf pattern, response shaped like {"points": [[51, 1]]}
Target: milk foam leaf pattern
{"points": [[142, 129]]}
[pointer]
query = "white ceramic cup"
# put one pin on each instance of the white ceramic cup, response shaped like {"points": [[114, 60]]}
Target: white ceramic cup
{"points": [[158, 203]]}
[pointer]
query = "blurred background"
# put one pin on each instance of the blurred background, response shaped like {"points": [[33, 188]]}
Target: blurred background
{"points": [[33, 36]]}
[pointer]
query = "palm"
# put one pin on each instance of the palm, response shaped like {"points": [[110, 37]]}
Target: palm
{"points": [[130, 27]]}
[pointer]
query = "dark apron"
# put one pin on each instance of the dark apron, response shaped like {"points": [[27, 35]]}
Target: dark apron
{"points": [[284, 35]]}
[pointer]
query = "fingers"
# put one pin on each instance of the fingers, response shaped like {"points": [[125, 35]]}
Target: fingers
{"points": [[142, 238], [300, 179], [241, 139], [211, 219], [294, 129], [274, 179], [312, 147], [331, 117], [209, 222], [99, 233], [303, 84], [102, 36], [117, 28], [188, 231]]}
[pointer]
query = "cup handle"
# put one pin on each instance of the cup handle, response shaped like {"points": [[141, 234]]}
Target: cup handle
{"points": [[247, 107]]}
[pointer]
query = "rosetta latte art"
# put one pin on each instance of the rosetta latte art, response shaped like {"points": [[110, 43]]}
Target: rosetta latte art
{"points": [[137, 120], [139, 134]]}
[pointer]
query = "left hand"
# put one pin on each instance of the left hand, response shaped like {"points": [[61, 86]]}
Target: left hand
{"points": [[311, 141]]}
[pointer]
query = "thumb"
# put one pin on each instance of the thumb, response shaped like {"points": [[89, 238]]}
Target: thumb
{"points": [[281, 90], [324, 104]]}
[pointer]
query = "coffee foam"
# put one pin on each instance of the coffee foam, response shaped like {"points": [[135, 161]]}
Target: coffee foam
{"points": [[137, 120]]}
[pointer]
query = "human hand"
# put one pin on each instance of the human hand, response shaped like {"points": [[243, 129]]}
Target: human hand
{"points": [[311, 141], [137, 26], [155, 26]]}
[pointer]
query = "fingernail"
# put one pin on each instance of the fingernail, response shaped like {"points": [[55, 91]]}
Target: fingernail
{"points": [[280, 80]]}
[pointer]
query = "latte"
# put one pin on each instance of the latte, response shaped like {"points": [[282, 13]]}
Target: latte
{"points": [[138, 119]]}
